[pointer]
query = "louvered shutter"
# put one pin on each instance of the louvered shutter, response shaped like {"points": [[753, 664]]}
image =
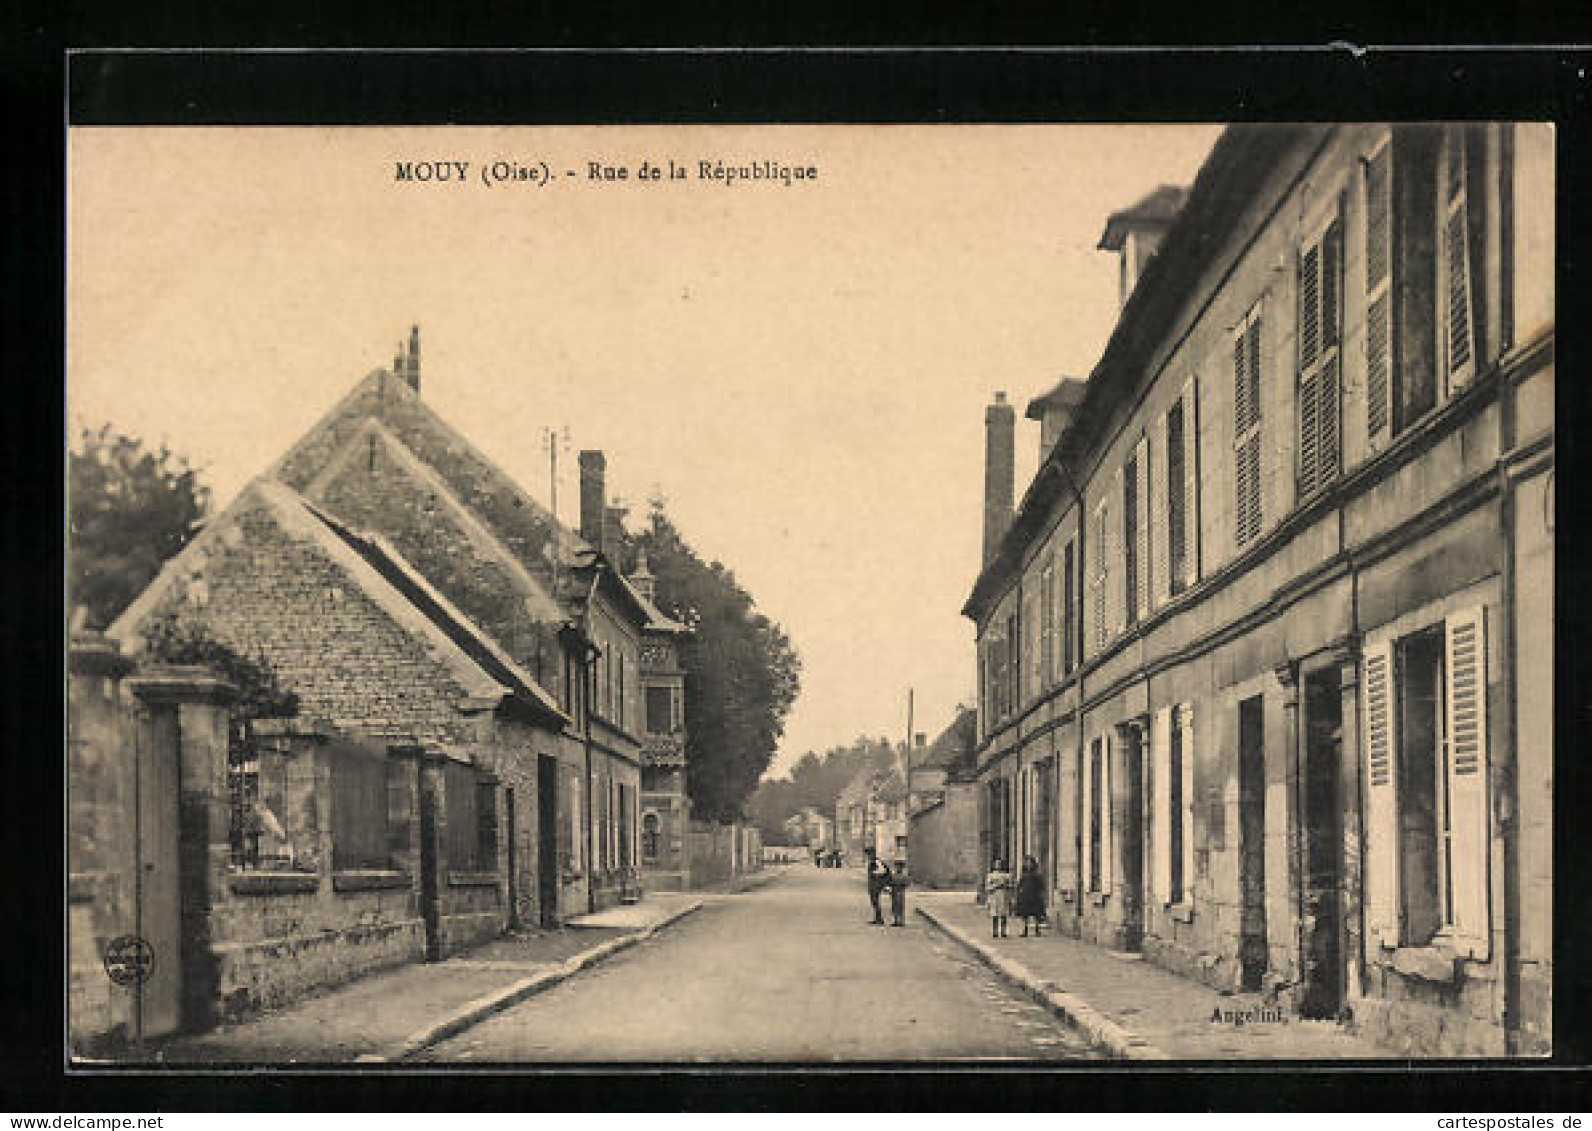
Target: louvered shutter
{"points": [[1191, 481], [1106, 821], [1319, 266], [1160, 514], [1144, 516], [1459, 337], [1379, 262], [1161, 806], [1380, 742], [1098, 614], [1186, 723], [1246, 430], [1116, 561], [1465, 667]]}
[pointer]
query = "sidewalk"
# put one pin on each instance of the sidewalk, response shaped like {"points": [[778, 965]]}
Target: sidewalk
{"points": [[395, 1013], [1135, 1009]]}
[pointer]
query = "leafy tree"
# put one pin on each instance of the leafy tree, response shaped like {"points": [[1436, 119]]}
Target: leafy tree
{"points": [[816, 781], [744, 674], [131, 509]]}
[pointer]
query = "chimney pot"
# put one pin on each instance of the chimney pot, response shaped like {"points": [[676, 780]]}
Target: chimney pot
{"points": [[412, 363]]}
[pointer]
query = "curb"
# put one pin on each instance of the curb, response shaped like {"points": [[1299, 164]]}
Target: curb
{"points": [[1073, 1010], [474, 1012]]}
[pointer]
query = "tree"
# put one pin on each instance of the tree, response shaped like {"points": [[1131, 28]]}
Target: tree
{"points": [[743, 673], [816, 781], [131, 510]]}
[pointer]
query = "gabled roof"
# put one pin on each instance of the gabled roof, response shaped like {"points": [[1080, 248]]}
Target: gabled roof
{"points": [[385, 559], [524, 528], [487, 677]]}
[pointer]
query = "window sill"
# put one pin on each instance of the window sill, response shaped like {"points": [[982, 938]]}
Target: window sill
{"points": [[369, 879], [273, 883], [1182, 912], [472, 879]]}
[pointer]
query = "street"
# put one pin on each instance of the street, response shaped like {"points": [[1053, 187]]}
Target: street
{"points": [[793, 971]]}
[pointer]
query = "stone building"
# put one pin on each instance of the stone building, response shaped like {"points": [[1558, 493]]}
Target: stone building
{"points": [[945, 848], [434, 514], [1265, 651]]}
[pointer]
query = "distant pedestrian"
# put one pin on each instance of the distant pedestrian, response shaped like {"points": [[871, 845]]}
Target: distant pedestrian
{"points": [[898, 894], [878, 881], [1030, 903], [818, 857], [998, 889]]}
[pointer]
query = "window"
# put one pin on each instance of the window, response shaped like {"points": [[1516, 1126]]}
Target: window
{"points": [[650, 838], [1099, 580], [1421, 248], [1069, 612], [1172, 804], [1425, 742], [1246, 428], [258, 833], [360, 837], [470, 806], [1320, 270], [1047, 625], [1013, 670], [1176, 510], [660, 710], [1097, 813], [1132, 523]]}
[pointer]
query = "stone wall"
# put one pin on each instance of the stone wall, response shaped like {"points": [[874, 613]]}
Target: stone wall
{"points": [[943, 846]]}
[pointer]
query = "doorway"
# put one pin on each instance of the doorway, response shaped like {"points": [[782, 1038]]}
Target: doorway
{"points": [[430, 913], [1321, 749], [547, 839], [1132, 809], [1252, 843], [513, 859]]}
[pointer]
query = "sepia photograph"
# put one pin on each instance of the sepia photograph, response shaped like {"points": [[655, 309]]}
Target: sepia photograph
{"points": [[1066, 594]]}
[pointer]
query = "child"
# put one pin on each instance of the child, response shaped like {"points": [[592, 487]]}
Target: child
{"points": [[998, 885], [898, 893]]}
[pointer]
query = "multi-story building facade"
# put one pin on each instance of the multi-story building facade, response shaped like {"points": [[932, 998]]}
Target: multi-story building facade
{"points": [[1265, 653], [665, 804]]}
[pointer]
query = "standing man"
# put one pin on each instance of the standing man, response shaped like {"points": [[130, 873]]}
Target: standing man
{"points": [[878, 880], [898, 894]]}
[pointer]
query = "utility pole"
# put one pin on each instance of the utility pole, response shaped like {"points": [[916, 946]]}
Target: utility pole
{"points": [[551, 441]]}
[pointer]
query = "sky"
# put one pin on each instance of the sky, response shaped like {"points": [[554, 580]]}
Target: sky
{"points": [[801, 370]]}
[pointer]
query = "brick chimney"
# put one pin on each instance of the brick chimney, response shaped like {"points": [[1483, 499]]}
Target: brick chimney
{"points": [[593, 505], [1000, 471]]}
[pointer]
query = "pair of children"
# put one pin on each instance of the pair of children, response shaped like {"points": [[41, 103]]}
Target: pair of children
{"points": [[882, 879]]}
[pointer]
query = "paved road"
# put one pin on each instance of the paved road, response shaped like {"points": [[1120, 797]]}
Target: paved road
{"points": [[792, 971]]}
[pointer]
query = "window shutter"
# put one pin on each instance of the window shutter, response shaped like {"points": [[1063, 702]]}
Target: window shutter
{"points": [[1318, 362], [1161, 806], [1460, 347], [1086, 788], [1379, 293], [1246, 429], [1102, 551], [1106, 822], [1160, 513], [1117, 562], [1465, 667], [1379, 742], [1143, 519], [1191, 482], [1186, 723]]}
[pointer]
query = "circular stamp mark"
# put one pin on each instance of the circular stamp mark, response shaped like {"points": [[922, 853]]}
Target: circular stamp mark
{"points": [[129, 960]]}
